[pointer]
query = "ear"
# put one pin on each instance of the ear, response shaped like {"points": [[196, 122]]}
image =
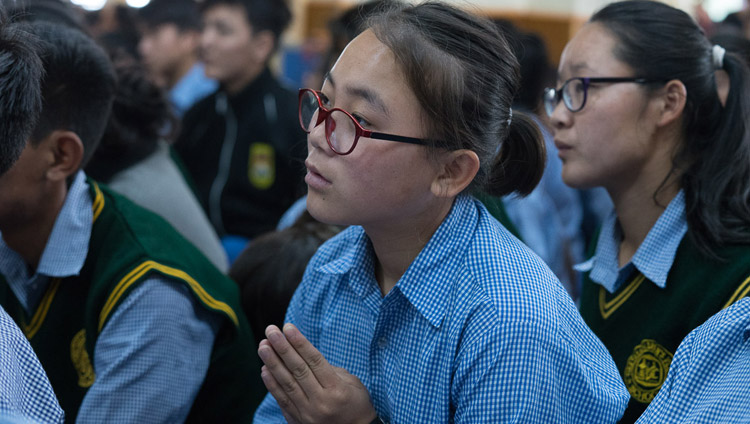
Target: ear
{"points": [[671, 102], [457, 170], [67, 153], [263, 45]]}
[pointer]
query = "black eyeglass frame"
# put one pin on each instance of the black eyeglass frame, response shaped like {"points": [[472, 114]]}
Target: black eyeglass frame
{"points": [[325, 115], [552, 100]]}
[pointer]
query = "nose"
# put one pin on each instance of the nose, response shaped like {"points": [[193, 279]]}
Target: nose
{"points": [[561, 117], [316, 139], [207, 39]]}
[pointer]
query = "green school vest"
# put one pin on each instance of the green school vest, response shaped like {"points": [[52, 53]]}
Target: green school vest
{"points": [[642, 325], [129, 244]]}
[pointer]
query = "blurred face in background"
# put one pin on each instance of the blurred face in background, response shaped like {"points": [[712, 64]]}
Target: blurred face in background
{"points": [[233, 53], [168, 52]]}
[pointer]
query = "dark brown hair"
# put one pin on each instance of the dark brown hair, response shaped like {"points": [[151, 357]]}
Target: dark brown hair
{"points": [[661, 43], [465, 76]]}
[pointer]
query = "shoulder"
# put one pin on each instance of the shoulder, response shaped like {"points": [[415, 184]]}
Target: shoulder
{"points": [[513, 278]]}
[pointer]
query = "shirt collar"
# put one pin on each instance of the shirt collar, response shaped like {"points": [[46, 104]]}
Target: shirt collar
{"points": [[68, 243], [429, 297], [654, 257]]}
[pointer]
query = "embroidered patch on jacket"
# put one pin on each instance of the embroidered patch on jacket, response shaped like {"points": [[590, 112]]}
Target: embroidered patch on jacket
{"points": [[646, 370], [81, 360], [261, 167]]}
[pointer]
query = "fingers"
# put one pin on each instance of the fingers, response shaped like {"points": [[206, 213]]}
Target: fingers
{"points": [[282, 376], [289, 369], [288, 408], [323, 371]]}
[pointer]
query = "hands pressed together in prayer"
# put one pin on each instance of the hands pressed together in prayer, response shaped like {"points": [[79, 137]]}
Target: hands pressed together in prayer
{"points": [[307, 388]]}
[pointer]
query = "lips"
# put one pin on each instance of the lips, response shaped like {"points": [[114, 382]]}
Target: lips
{"points": [[314, 178]]}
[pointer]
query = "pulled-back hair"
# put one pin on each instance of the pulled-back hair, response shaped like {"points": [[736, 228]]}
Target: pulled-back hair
{"points": [[465, 77], [662, 43], [78, 86], [20, 93]]}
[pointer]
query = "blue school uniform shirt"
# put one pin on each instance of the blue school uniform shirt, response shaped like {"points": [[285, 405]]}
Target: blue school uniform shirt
{"points": [[478, 329], [26, 395], [149, 361], [709, 378], [191, 88], [653, 258]]}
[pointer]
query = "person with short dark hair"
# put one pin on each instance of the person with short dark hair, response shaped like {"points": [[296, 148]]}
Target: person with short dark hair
{"points": [[131, 322], [426, 309], [25, 390], [270, 268], [242, 146], [637, 112], [170, 39]]}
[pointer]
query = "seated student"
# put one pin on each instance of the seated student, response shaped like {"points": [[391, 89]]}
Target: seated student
{"points": [[271, 267], [640, 116], [170, 36], [433, 311], [709, 375], [242, 146], [130, 321], [25, 392], [134, 160]]}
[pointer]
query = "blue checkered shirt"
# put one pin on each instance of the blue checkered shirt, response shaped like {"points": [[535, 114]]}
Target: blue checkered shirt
{"points": [[477, 330], [709, 379], [25, 392], [654, 256], [149, 360]]}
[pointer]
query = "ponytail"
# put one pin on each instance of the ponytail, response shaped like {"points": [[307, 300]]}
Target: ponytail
{"points": [[519, 164], [717, 183]]}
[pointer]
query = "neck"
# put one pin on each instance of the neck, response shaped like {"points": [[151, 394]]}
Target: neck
{"points": [[179, 71], [29, 234], [397, 245], [238, 84], [638, 209]]}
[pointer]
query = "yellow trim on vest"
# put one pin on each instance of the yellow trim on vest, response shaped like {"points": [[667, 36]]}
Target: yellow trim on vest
{"points": [[742, 291], [98, 204], [608, 308], [33, 327], [147, 266]]}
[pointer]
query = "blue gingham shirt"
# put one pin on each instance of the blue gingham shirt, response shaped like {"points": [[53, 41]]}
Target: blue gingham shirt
{"points": [[25, 392], [654, 257], [149, 360], [709, 379], [478, 329]]}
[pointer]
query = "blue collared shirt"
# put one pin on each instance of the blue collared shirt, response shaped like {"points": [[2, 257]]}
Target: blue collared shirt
{"points": [[25, 393], [153, 358], [478, 329], [192, 87], [654, 257], [709, 379]]}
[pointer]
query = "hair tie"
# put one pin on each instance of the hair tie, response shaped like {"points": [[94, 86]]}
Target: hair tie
{"points": [[510, 115], [717, 56]]}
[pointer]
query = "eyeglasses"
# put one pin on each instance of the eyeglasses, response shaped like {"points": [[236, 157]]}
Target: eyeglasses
{"points": [[574, 91], [342, 129]]}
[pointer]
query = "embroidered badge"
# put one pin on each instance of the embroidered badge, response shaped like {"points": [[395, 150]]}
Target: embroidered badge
{"points": [[261, 167], [646, 370], [81, 360]]}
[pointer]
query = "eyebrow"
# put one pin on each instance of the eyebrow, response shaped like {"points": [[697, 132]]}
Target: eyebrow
{"points": [[364, 93]]}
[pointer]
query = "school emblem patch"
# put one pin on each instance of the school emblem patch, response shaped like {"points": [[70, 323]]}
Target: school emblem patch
{"points": [[261, 167], [81, 360], [646, 370]]}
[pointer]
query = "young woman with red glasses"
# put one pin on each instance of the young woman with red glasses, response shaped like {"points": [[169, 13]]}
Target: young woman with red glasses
{"points": [[638, 112], [426, 309]]}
